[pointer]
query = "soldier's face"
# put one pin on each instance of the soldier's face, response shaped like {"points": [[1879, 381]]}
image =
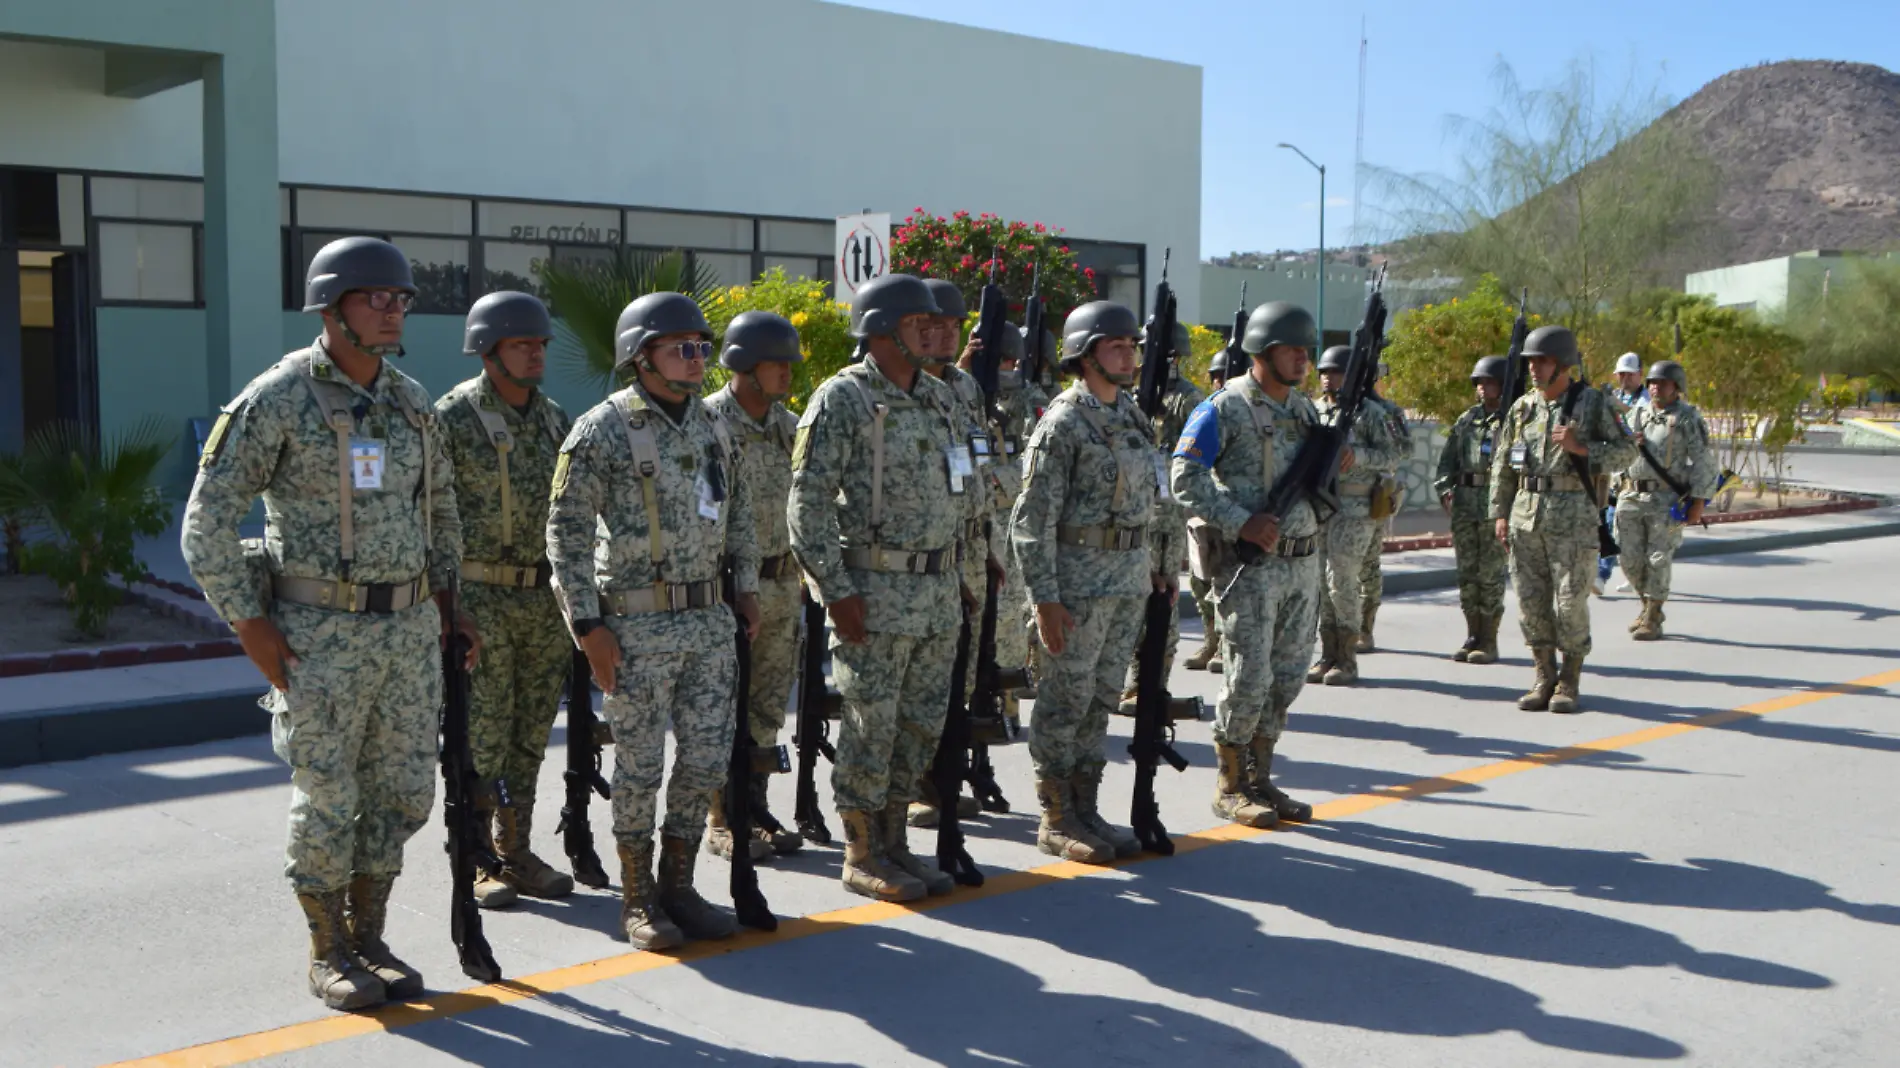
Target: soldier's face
{"points": [[774, 379], [675, 361], [375, 326], [1629, 380], [1288, 363], [1330, 381], [916, 332], [1489, 390], [1664, 391], [1544, 370], [941, 336], [525, 359], [1118, 358]]}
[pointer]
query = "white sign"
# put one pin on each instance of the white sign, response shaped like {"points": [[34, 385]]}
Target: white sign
{"points": [[864, 251]]}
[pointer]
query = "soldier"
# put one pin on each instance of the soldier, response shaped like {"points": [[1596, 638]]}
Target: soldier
{"points": [[1628, 390], [1546, 511], [502, 435], [343, 449], [1372, 570], [1649, 514], [1463, 487], [1375, 448], [879, 468], [760, 349], [1207, 657], [1020, 406], [648, 505], [1238, 443], [1083, 533], [1167, 553]]}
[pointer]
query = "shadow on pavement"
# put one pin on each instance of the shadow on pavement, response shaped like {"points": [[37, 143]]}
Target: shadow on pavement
{"points": [[103, 783], [1867, 613], [1696, 639]]}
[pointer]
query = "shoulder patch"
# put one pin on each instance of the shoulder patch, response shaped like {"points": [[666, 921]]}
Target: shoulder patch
{"points": [[214, 442], [1200, 438]]}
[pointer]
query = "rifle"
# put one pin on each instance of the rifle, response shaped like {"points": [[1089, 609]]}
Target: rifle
{"points": [[811, 731], [1511, 386], [1157, 346], [468, 845], [951, 767], [1035, 360], [1314, 472], [1236, 356], [1606, 540], [582, 777], [748, 902], [986, 725]]}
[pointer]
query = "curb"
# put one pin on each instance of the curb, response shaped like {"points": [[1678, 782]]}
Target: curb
{"points": [[41, 737], [1835, 502]]}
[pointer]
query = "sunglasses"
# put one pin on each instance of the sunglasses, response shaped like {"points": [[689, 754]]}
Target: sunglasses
{"points": [[381, 299], [690, 350]]}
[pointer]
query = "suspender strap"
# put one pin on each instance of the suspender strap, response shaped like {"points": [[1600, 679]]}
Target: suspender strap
{"points": [[1074, 398], [646, 462], [1265, 430], [504, 443], [334, 401], [421, 424], [877, 412]]}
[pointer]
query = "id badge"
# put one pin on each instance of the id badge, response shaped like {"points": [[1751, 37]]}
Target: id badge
{"points": [[957, 461], [1518, 454], [366, 463], [1161, 477], [708, 500], [980, 447]]}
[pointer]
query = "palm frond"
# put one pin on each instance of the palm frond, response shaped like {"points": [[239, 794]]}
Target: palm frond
{"points": [[587, 299]]}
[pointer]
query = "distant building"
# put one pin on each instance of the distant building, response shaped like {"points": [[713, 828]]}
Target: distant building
{"points": [[1291, 280], [1771, 288]]}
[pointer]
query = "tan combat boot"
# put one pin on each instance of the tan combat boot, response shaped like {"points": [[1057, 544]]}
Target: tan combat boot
{"points": [[1060, 834], [937, 882], [1474, 624], [1362, 642], [1642, 615], [1205, 655], [1345, 671], [1649, 624], [1328, 654], [1538, 699], [696, 917], [1086, 787], [490, 891], [866, 872], [646, 926], [719, 833], [335, 977], [1487, 650], [369, 911], [1565, 698], [520, 868], [1233, 798], [783, 840], [1260, 752], [923, 811]]}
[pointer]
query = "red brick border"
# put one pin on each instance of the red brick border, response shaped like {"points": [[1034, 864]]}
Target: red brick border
{"points": [[1840, 504]]}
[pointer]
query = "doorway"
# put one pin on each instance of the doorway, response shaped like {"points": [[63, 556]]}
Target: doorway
{"points": [[48, 370]]}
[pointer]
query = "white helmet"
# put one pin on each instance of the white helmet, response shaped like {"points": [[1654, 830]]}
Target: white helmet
{"points": [[1629, 364]]}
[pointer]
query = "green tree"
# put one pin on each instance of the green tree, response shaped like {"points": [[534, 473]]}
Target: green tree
{"points": [[1745, 375], [588, 297], [1433, 348], [959, 249], [1850, 327], [824, 326]]}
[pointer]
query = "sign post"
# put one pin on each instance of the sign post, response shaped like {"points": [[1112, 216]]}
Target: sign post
{"points": [[864, 245]]}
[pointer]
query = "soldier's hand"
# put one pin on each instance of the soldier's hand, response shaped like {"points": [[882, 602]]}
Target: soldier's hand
{"points": [[1346, 460], [1444, 501], [465, 626], [998, 577], [971, 603], [970, 350], [1567, 440], [1504, 531], [266, 647], [847, 618], [1170, 585], [1263, 530], [748, 607], [603, 656], [1695, 511], [1053, 624]]}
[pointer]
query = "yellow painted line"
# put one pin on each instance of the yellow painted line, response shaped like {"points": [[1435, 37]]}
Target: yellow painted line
{"points": [[342, 1026]]}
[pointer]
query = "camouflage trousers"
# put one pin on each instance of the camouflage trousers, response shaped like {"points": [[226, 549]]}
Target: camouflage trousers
{"points": [[1080, 688], [774, 658], [1266, 629], [1372, 572], [358, 729], [976, 577], [1483, 566], [515, 691], [1552, 569], [896, 689], [693, 689], [1649, 539], [1014, 616], [1344, 560], [1203, 594]]}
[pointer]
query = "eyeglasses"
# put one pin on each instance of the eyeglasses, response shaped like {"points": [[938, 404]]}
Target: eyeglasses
{"points": [[690, 350], [381, 299]]}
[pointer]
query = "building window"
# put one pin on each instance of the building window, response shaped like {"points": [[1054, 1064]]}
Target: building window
{"points": [[811, 238], [439, 266], [381, 213], [732, 268], [563, 223], [153, 262], [1118, 271], [662, 229], [148, 198], [814, 268], [512, 265]]}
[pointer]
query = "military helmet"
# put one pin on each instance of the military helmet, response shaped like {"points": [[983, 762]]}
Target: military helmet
{"points": [[499, 316], [757, 337], [1555, 341], [1629, 364], [1335, 358], [1218, 368], [1668, 369], [656, 315], [1183, 341], [949, 298], [1009, 343], [1489, 367], [354, 263], [1091, 323], [884, 302], [1279, 322]]}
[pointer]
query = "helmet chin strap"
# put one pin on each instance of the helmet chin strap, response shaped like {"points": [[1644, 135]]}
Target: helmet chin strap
{"points": [[509, 376], [354, 339], [921, 363], [690, 389], [1124, 381], [759, 384]]}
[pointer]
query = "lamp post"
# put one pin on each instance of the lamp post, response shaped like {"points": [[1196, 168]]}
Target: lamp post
{"points": [[1319, 313]]}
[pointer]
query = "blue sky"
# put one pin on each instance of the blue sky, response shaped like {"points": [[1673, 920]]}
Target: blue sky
{"points": [[1276, 71]]}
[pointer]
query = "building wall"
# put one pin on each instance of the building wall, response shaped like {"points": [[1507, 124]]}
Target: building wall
{"points": [[1762, 285], [1297, 282]]}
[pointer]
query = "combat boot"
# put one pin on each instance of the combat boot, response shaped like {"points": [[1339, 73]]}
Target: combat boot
{"points": [[1345, 671], [1362, 642], [1328, 654], [1086, 788], [937, 882], [646, 926], [719, 833], [1233, 799], [1474, 625], [1205, 655], [490, 891], [1129, 700], [783, 840], [1538, 699], [696, 917], [1060, 834], [520, 868], [369, 910], [1649, 624], [1487, 650], [1284, 807], [1565, 698], [1642, 614], [335, 977], [923, 811], [866, 871]]}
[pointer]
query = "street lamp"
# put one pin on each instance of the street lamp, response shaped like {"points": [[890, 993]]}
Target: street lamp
{"points": [[1319, 313]]}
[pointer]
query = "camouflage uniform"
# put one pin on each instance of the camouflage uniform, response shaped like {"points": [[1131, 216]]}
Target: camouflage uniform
{"points": [[1464, 471], [895, 686], [1375, 450], [358, 724], [677, 665], [1372, 571], [516, 691], [1022, 409], [980, 524], [1648, 537], [1167, 548]]}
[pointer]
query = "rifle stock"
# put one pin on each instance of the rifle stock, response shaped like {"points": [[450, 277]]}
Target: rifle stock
{"points": [[951, 767], [467, 839], [582, 777], [1034, 358], [748, 901], [811, 731], [1154, 732], [1157, 346]]}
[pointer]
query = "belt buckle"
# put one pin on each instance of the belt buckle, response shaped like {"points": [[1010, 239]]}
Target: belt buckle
{"points": [[385, 593], [342, 594], [674, 596]]}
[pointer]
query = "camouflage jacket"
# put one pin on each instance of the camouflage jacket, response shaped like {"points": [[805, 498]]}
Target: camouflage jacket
{"points": [[1467, 451], [598, 531], [1377, 451], [973, 416], [1223, 466], [1679, 439], [765, 453], [1524, 448], [275, 441], [534, 443], [1087, 465], [834, 496], [1168, 546]]}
